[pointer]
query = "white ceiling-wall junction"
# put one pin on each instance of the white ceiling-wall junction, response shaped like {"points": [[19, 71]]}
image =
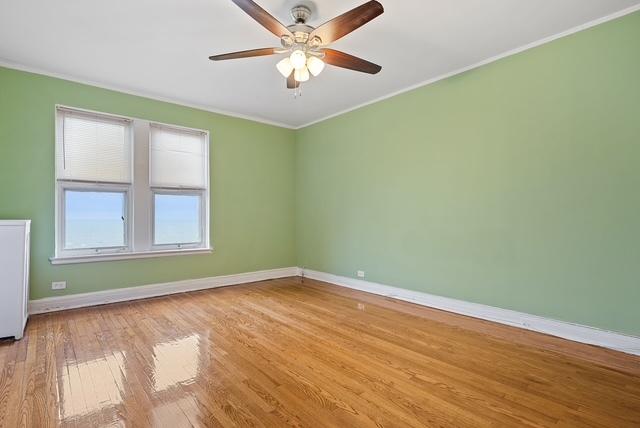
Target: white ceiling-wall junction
{"points": [[160, 48]]}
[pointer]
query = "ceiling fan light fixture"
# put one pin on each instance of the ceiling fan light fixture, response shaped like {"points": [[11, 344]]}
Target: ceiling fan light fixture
{"points": [[301, 74], [315, 65], [285, 67], [298, 59], [307, 47]]}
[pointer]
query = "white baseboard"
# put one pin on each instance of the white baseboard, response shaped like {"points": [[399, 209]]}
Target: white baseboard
{"points": [[52, 304], [565, 330]]}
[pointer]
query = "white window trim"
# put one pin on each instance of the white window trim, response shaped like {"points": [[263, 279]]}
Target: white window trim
{"points": [[127, 256], [140, 220]]}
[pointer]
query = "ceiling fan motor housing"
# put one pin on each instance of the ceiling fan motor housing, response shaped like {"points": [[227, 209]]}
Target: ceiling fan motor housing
{"points": [[300, 29], [300, 14]]}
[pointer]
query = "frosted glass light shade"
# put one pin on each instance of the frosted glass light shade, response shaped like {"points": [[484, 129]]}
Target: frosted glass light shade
{"points": [[298, 59], [301, 75], [285, 67], [315, 65]]}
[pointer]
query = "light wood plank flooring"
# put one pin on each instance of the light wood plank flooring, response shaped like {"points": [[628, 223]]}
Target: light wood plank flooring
{"points": [[282, 353]]}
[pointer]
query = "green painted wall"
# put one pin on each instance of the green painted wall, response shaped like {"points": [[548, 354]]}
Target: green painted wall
{"points": [[515, 185], [252, 185]]}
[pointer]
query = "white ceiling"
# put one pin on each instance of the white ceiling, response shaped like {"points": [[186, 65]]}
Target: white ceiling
{"points": [[160, 48]]}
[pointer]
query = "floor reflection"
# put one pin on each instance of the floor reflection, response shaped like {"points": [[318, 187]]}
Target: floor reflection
{"points": [[89, 386], [176, 362], [100, 388]]}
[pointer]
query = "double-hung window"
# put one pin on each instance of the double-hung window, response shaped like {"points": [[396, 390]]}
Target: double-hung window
{"points": [[128, 187], [178, 180]]}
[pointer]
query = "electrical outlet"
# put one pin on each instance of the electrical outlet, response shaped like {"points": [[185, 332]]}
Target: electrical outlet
{"points": [[59, 285], [360, 274]]}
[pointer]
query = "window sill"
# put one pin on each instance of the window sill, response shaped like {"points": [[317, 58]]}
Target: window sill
{"points": [[126, 256]]}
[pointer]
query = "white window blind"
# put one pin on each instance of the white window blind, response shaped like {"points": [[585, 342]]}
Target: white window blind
{"points": [[94, 148], [178, 158]]}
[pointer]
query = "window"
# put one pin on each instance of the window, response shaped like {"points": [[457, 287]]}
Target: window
{"points": [[94, 219], [178, 177], [177, 219], [128, 187]]}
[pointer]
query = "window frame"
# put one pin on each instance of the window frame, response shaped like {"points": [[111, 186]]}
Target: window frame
{"points": [[177, 192], [63, 187], [182, 190], [139, 197]]}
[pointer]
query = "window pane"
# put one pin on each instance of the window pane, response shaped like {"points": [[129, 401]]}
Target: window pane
{"points": [[177, 219], [94, 219]]}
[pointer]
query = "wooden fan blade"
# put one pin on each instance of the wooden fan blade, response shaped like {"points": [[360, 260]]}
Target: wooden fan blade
{"points": [[291, 82], [244, 54], [342, 25], [263, 17], [344, 60]]}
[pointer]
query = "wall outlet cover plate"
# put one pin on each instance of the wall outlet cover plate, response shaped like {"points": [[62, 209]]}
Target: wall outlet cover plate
{"points": [[59, 285]]}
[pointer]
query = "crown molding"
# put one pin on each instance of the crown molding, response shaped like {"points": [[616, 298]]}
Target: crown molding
{"points": [[35, 70], [484, 62], [16, 66]]}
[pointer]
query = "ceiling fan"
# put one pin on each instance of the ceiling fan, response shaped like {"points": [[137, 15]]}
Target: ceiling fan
{"points": [[306, 45]]}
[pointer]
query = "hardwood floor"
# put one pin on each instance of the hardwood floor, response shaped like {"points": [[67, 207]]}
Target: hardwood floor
{"points": [[281, 353]]}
